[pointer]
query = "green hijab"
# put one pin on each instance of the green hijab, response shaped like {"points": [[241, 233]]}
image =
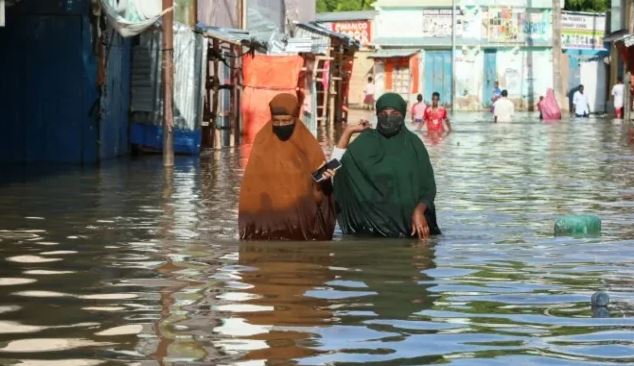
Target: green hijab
{"points": [[382, 180], [392, 100]]}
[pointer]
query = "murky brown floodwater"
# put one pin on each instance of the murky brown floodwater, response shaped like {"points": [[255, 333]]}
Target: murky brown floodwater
{"points": [[119, 265]]}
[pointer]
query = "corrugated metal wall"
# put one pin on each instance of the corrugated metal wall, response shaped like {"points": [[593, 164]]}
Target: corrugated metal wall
{"points": [[115, 101], [48, 86]]}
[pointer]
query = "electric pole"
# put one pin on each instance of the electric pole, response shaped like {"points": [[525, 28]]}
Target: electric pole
{"points": [[557, 54]]}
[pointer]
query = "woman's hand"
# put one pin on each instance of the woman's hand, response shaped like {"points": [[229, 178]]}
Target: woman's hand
{"points": [[358, 127], [420, 228], [350, 130], [329, 174]]}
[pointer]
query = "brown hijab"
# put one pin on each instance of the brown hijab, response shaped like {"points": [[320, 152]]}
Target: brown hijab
{"points": [[278, 198]]}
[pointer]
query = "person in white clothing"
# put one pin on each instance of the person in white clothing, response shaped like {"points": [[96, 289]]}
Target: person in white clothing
{"points": [[368, 94], [503, 108], [617, 94], [580, 102]]}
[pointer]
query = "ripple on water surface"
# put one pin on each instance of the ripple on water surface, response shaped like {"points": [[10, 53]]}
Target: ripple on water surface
{"points": [[137, 266]]}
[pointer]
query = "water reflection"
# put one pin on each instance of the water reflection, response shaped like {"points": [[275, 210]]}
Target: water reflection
{"points": [[122, 264]]}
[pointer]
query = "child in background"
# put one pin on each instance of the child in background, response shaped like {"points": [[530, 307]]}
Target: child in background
{"points": [[368, 99], [418, 111]]}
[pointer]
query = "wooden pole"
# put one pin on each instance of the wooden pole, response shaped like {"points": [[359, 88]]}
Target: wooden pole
{"points": [[557, 84], [215, 119], [168, 84]]}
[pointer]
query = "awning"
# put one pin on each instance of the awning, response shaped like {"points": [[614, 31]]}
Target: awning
{"points": [[318, 29], [230, 35], [617, 36], [345, 16], [394, 53]]}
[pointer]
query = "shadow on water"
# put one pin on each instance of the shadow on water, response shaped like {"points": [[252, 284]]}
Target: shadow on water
{"points": [[123, 264]]}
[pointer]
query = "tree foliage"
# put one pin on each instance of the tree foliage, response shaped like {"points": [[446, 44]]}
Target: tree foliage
{"points": [[343, 5], [588, 5]]}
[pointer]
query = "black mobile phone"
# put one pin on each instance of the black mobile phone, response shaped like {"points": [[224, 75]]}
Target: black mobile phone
{"points": [[333, 164]]}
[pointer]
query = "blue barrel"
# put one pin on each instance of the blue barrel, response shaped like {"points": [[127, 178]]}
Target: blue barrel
{"points": [[578, 225]]}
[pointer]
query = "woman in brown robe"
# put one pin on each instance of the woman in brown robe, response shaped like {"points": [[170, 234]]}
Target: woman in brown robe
{"points": [[279, 199]]}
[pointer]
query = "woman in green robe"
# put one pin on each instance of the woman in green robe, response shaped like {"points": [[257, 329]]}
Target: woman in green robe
{"points": [[386, 185]]}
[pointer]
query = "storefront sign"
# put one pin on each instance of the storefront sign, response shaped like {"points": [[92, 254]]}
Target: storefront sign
{"points": [[360, 30], [582, 31]]}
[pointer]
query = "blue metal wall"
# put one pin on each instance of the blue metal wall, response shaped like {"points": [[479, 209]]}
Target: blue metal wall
{"points": [[48, 88], [438, 75], [115, 100]]}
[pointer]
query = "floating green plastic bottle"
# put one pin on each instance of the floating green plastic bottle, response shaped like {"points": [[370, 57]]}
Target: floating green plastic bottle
{"points": [[578, 225]]}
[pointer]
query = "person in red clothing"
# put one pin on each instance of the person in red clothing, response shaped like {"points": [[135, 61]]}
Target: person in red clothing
{"points": [[436, 116]]}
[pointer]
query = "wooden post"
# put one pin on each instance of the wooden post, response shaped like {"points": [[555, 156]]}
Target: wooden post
{"points": [[235, 96], [556, 51], [218, 130], [627, 96], [168, 84]]}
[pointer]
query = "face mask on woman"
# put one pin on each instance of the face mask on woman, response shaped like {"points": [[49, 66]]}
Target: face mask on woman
{"points": [[284, 132], [389, 125]]}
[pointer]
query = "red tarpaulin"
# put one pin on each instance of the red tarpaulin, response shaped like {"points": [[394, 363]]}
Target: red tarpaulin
{"points": [[265, 77]]}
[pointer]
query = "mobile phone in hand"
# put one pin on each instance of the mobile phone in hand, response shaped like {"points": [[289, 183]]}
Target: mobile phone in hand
{"points": [[333, 164]]}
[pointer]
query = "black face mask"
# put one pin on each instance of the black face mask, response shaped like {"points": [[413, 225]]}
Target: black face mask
{"points": [[389, 126], [284, 132]]}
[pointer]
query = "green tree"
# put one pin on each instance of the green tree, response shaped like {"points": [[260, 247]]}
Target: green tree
{"points": [[588, 5], [343, 5]]}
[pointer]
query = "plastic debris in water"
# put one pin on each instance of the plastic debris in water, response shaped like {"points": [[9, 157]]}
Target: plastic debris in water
{"points": [[600, 299], [578, 225]]}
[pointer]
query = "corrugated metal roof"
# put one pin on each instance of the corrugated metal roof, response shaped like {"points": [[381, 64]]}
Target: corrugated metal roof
{"points": [[318, 29], [230, 35], [620, 35], [340, 16], [392, 53]]}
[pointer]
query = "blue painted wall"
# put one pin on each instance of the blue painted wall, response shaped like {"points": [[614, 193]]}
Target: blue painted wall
{"points": [[48, 88], [438, 75], [490, 76]]}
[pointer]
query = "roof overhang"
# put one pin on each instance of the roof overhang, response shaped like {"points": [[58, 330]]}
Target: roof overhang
{"points": [[314, 27]]}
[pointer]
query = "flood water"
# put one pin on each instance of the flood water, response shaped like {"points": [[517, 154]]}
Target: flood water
{"points": [[121, 264]]}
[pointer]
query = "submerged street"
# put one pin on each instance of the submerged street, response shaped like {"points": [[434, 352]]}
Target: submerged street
{"points": [[123, 264]]}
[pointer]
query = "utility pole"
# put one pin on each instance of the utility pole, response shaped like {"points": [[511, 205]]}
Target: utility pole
{"points": [[168, 83], [557, 54]]}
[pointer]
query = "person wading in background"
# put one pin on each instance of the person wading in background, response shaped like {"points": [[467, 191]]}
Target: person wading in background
{"points": [[580, 103], [618, 91], [503, 108], [418, 112], [436, 116]]}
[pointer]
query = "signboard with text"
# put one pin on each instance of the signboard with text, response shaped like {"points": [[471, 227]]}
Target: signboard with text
{"points": [[582, 30], [361, 30]]}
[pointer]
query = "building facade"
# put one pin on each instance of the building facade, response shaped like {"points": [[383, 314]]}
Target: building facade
{"points": [[359, 25], [507, 41]]}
